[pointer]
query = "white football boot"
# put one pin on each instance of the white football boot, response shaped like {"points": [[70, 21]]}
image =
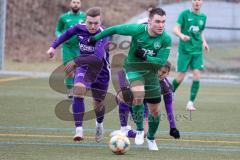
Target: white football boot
{"points": [[139, 139], [99, 132], [79, 134], [190, 106], [152, 145]]}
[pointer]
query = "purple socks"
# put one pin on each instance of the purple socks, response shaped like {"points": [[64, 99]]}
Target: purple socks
{"points": [[169, 109], [78, 110]]}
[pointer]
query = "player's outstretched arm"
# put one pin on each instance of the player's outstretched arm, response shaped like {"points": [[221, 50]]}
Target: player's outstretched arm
{"points": [[65, 36], [124, 29]]}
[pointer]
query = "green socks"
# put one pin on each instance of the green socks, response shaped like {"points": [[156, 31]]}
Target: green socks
{"points": [[175, 85], [138, 116], [153, 123], [194, 90], [68, 82]]}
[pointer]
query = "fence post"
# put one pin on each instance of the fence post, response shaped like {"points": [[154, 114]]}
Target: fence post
{"points": [[3, 12]]}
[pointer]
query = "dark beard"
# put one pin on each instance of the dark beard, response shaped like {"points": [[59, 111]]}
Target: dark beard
{"points": [[74, 10]]}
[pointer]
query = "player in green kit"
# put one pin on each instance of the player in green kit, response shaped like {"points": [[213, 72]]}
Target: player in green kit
{"points": [[189, 29], [149, 50], [70, 49]]}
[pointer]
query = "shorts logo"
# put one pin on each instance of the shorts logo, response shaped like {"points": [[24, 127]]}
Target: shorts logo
{"points": [[80, 75]]}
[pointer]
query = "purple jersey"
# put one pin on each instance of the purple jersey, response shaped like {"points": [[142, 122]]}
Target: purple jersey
{"points": [[100, 85], [85, 49]]}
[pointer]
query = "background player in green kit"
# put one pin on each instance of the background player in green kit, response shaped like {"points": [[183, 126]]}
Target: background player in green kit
{"points": [[149, 50], [189, 29], [70, 49]]}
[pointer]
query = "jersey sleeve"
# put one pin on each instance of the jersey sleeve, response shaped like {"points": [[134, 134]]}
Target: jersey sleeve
{"points": [[100, 48], [180, 19], [84, 16], [59, 27], [125, 29], [65, 36], [162, 54], [205, 21]]}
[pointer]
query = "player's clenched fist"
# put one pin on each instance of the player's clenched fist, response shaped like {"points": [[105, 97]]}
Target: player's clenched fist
{"points": [[185, 37], [51, 52]]}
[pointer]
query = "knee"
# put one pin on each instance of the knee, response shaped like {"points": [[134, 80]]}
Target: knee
{"points": [[180, 77], [79, 90], [155, 113], [154, 109], [137, 101], [138, 94], [126, 96], [98, 105], [196, 75]]}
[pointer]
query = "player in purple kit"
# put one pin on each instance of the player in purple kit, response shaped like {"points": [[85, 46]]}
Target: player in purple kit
{"points": [[166, 91], [99, 76]]}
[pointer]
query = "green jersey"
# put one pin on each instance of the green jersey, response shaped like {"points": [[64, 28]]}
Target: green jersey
{"points": [[156, 48], [66, 21], [192, 25]]}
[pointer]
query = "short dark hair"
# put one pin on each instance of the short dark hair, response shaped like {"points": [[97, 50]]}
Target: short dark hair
{"points": [[94, 12], [168, 65], [158, 11], [150, 7]]}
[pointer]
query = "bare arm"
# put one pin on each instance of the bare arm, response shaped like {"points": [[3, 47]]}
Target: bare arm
{"points": [[205, 45], [177, 32]]}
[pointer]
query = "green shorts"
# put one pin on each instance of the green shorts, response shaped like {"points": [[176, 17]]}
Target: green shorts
{"points": [[150, 81], [69, 53], [194, 61]]}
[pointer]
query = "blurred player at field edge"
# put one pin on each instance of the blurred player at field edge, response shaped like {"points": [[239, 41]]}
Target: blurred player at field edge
{"points": [[70, 49], [189, 29]]}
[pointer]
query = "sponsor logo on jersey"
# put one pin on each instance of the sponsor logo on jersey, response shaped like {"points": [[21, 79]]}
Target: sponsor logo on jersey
{"points": [[68, 20], [149, 52], [190, 19], [86, 48], [194, 29]]}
